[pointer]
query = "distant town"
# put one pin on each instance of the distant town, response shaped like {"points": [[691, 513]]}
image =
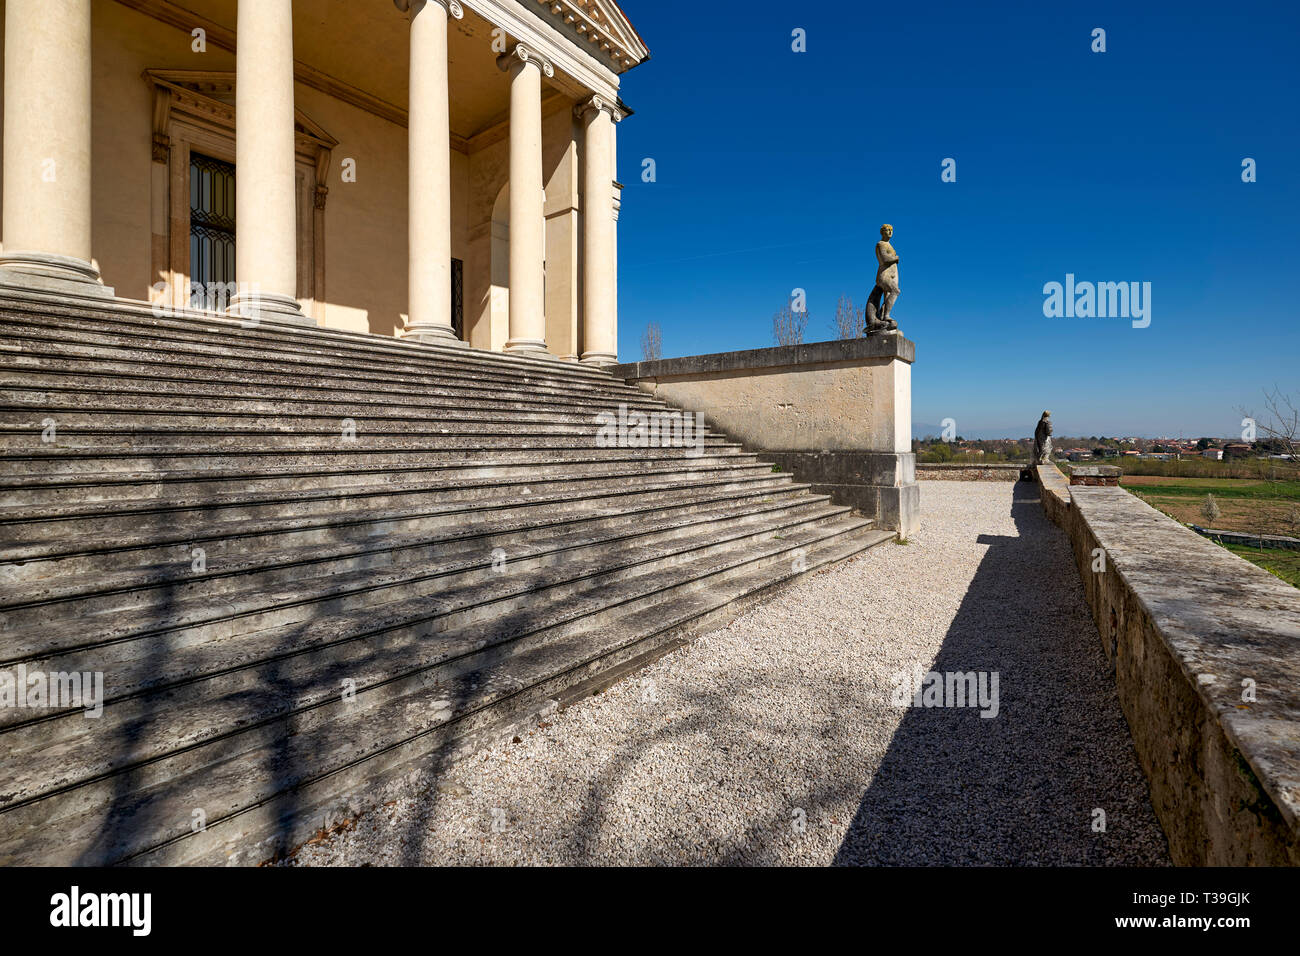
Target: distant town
{"points": [[1094, 448]]}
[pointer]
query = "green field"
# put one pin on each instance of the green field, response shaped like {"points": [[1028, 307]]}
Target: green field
{"points": [[1249, 505], [1219, 487], [1285, 564]]}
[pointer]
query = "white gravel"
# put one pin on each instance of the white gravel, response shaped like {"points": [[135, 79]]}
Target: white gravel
{"points": [[774, 740]]}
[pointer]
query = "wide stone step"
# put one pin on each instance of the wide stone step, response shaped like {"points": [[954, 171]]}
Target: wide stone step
{"points": [[204, 532], [21, 404], [79, 488], [49, 554], [30, 441], [238, 628], [304, 347], [51, 321], [276, 774], [346, 457], [150, 511], [170, 592], [254, 361], [309, 383], [150, 387]]}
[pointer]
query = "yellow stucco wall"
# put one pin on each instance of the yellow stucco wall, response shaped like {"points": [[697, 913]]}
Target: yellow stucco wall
{"points": [[365, 221]]}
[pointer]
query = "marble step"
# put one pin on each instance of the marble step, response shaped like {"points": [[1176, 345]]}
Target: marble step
{"points": [[71, 461], [100, 401], [461, 478], [304, 348], [462, 369], [276, 774], [150, 511], [235, 629], [273, 575], [156, 386]]}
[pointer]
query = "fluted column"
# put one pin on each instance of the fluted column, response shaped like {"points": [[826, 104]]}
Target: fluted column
{"points": [[599, 292], [266, 224], [527, 203], [47, 101], [429, 174]]}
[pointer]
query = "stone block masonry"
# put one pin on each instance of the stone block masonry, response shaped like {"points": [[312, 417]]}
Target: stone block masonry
{"points": [[948, 471]]}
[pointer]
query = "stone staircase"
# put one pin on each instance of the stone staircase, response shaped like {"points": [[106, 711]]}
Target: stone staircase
{"points": [[288, 616]]}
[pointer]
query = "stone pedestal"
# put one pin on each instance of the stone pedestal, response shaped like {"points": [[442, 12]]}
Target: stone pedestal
{"points": [[837, 415], [1096, 475]]}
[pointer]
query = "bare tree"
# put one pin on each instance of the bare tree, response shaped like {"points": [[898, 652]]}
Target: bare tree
{"points": [[652, 343], [1282, 428], [849, 322], [1210, 509], [788, 326]]}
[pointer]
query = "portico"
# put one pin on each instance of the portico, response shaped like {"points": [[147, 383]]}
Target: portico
{"points": [[441, 170]]}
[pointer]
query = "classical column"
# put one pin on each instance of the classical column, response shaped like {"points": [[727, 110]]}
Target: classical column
{"points": [[47, 148], [527, 205], [599, 292], [266, 223], [428, 187]]}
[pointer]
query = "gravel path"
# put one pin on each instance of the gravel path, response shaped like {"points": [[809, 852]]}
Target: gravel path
{"points": [[774, 740]]}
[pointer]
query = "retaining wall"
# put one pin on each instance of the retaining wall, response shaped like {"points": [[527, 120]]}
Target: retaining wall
{"points": [[999, 471], [1206, 651], [837, 415]]}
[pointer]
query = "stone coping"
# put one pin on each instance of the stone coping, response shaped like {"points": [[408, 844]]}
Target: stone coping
{"points": [[954, 466], [1225, 619], [781, 356], [1055, 491], [1218, 620]]}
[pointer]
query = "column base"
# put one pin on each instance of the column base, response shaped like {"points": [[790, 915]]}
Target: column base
{"points": [[532, 347], [432, 335], [273, 307], [599, 358], [48, 272]]}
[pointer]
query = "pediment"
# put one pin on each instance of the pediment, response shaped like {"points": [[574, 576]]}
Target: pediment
{"points": [[213, 94], [602, 27]]}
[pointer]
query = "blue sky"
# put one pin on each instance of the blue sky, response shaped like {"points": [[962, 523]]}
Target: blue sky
{"points": [[775, 170]]}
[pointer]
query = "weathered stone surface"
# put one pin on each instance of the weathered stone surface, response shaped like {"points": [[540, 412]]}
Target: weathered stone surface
{"points": [[1205, 648], [1096, 475], [458, 563], [944, 471], [837, 414]]}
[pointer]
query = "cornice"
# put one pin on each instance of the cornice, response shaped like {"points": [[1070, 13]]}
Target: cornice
{"points": [[602, 27]]}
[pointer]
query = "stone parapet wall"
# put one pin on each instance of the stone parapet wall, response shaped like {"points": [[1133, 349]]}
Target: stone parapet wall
{"points": [[963, 472], [837, 415], [1194, 633]]}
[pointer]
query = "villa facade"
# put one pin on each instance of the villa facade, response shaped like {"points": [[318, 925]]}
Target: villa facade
{"points": [[434, 169]]}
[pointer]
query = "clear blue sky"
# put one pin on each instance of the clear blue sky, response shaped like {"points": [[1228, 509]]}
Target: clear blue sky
{"points": [[776, 168]]}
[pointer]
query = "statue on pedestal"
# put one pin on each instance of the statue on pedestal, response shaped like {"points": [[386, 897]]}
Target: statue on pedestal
{"points": [[1043, 440], [883, 296]]}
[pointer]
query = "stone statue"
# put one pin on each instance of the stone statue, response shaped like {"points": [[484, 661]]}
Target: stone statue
{"points": [[882, 297], [1043, 440]]}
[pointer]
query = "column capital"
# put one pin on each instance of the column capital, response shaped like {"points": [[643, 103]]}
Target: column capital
{"points": [[522, 54], [454, 9], [596, 103]]}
